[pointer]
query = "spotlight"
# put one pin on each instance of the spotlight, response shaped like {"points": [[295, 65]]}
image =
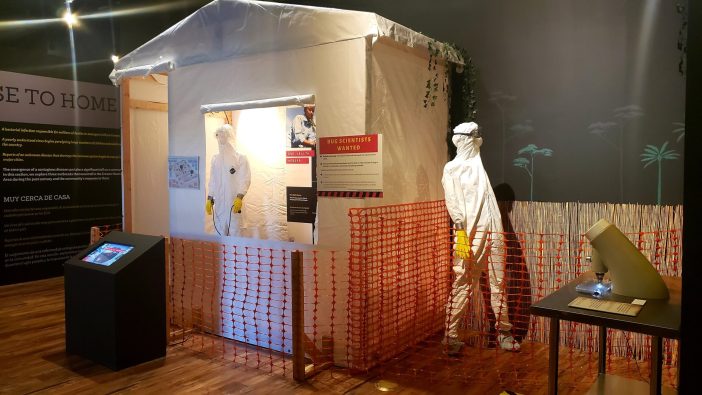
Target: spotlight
{"points": [[70, 18], [114, 58]]}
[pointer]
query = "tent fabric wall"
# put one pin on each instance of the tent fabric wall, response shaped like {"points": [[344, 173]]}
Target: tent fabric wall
{"points": [[363, 82], [335, 73], [414, 137], [346, 78], [149, 157], [361, 85], [226, 29]]}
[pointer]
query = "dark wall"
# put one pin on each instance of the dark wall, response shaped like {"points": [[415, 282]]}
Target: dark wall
{"points": [[41, 44], [592, 82], [585, 89], [690, 346], [559, 74]]}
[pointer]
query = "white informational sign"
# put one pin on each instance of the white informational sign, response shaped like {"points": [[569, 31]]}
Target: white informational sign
{"points": [[183, 172], [350, 166]]}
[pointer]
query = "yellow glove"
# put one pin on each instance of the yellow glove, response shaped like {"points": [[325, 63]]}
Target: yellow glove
{"points": [[208, 206], [462, 246], [237, 204]]}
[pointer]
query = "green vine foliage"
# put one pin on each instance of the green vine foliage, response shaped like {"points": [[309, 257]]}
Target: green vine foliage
{"points": [[432, 85], [465, 85], [682, 38], [457, 86], [462, 81]]}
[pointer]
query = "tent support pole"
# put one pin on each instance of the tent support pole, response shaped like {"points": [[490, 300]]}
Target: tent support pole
{"points": [[126, 158], [298, 317], [369, 84]]}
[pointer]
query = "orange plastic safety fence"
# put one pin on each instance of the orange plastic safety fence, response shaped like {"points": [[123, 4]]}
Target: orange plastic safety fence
{"points": [[403, 297], [398, 279], [386, 303], [232, 302], [325, 278]]}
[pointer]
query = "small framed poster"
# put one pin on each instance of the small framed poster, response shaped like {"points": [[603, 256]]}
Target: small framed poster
{"points": [[184, 172]]}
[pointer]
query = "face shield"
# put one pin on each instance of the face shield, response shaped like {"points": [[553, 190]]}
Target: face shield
{"points": [[465, 133], [468, 129], [225, 135]]}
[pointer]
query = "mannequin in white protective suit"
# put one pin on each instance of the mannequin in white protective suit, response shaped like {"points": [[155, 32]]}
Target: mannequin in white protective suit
{"points": [[473, 208], [230, 177]]}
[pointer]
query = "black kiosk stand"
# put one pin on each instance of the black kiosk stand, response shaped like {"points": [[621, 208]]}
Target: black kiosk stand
{"points": [[116, 300]]}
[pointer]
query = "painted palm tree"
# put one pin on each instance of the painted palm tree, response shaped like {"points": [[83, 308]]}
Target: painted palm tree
{"points": [[655, 154], [602, 129], [528, 164], [520, 129], [624, 114], [500, 100], [680, 129]]}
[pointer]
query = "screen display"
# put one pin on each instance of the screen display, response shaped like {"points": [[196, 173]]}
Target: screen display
{"points": [[107, 254]]}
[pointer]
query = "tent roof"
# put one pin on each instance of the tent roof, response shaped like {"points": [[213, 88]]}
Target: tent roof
{"points": [[226, 29]]}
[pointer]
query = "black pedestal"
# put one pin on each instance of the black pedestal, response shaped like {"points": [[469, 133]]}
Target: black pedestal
{"points": [[116, 314]]}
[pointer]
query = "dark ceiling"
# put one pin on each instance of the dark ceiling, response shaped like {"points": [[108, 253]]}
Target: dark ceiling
{"points": [[45, 49]]}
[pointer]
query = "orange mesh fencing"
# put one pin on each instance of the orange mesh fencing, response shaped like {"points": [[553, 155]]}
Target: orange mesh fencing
{"points": [[399, 265], [383, 306], [234, 302], [325, 279], [400, 285], [220, 292]]}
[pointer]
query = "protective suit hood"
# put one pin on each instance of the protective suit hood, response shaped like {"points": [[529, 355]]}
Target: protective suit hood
{"points": [[467, 140], [225, 140]]}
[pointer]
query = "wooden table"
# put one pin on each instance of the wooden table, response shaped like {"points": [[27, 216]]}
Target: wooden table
{"points": [[658, 318]]}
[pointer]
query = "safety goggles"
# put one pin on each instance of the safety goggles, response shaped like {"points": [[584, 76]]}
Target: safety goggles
{"points": [[474, 133]]}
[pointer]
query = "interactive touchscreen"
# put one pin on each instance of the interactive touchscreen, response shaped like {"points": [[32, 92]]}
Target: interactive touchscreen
{"points": [[107, 254]]}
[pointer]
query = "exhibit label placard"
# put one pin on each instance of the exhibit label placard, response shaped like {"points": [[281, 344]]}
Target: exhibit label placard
{"points": [[607, 306], [351, 166], [61, 171]]}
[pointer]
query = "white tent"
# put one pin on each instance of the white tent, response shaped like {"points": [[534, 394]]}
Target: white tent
{"points": [[365, 74]]}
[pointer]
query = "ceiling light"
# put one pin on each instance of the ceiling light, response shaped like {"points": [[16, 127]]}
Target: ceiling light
{"points": [[70, 18]]}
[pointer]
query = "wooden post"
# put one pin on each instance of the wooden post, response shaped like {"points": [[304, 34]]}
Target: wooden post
{"points": [[298, 317], [126, 158], [602, 357], [169, 306], [94, 234]]}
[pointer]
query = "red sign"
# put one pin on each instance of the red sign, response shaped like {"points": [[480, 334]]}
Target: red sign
{"points": [[304, 152], [297, 161], [348, 144]]}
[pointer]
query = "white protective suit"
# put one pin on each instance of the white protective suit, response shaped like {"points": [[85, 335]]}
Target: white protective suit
{"points": [[471, 202], [230, 177]]}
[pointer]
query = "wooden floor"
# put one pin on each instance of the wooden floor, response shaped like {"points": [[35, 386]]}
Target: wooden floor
{"points": [[33, 360]]}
